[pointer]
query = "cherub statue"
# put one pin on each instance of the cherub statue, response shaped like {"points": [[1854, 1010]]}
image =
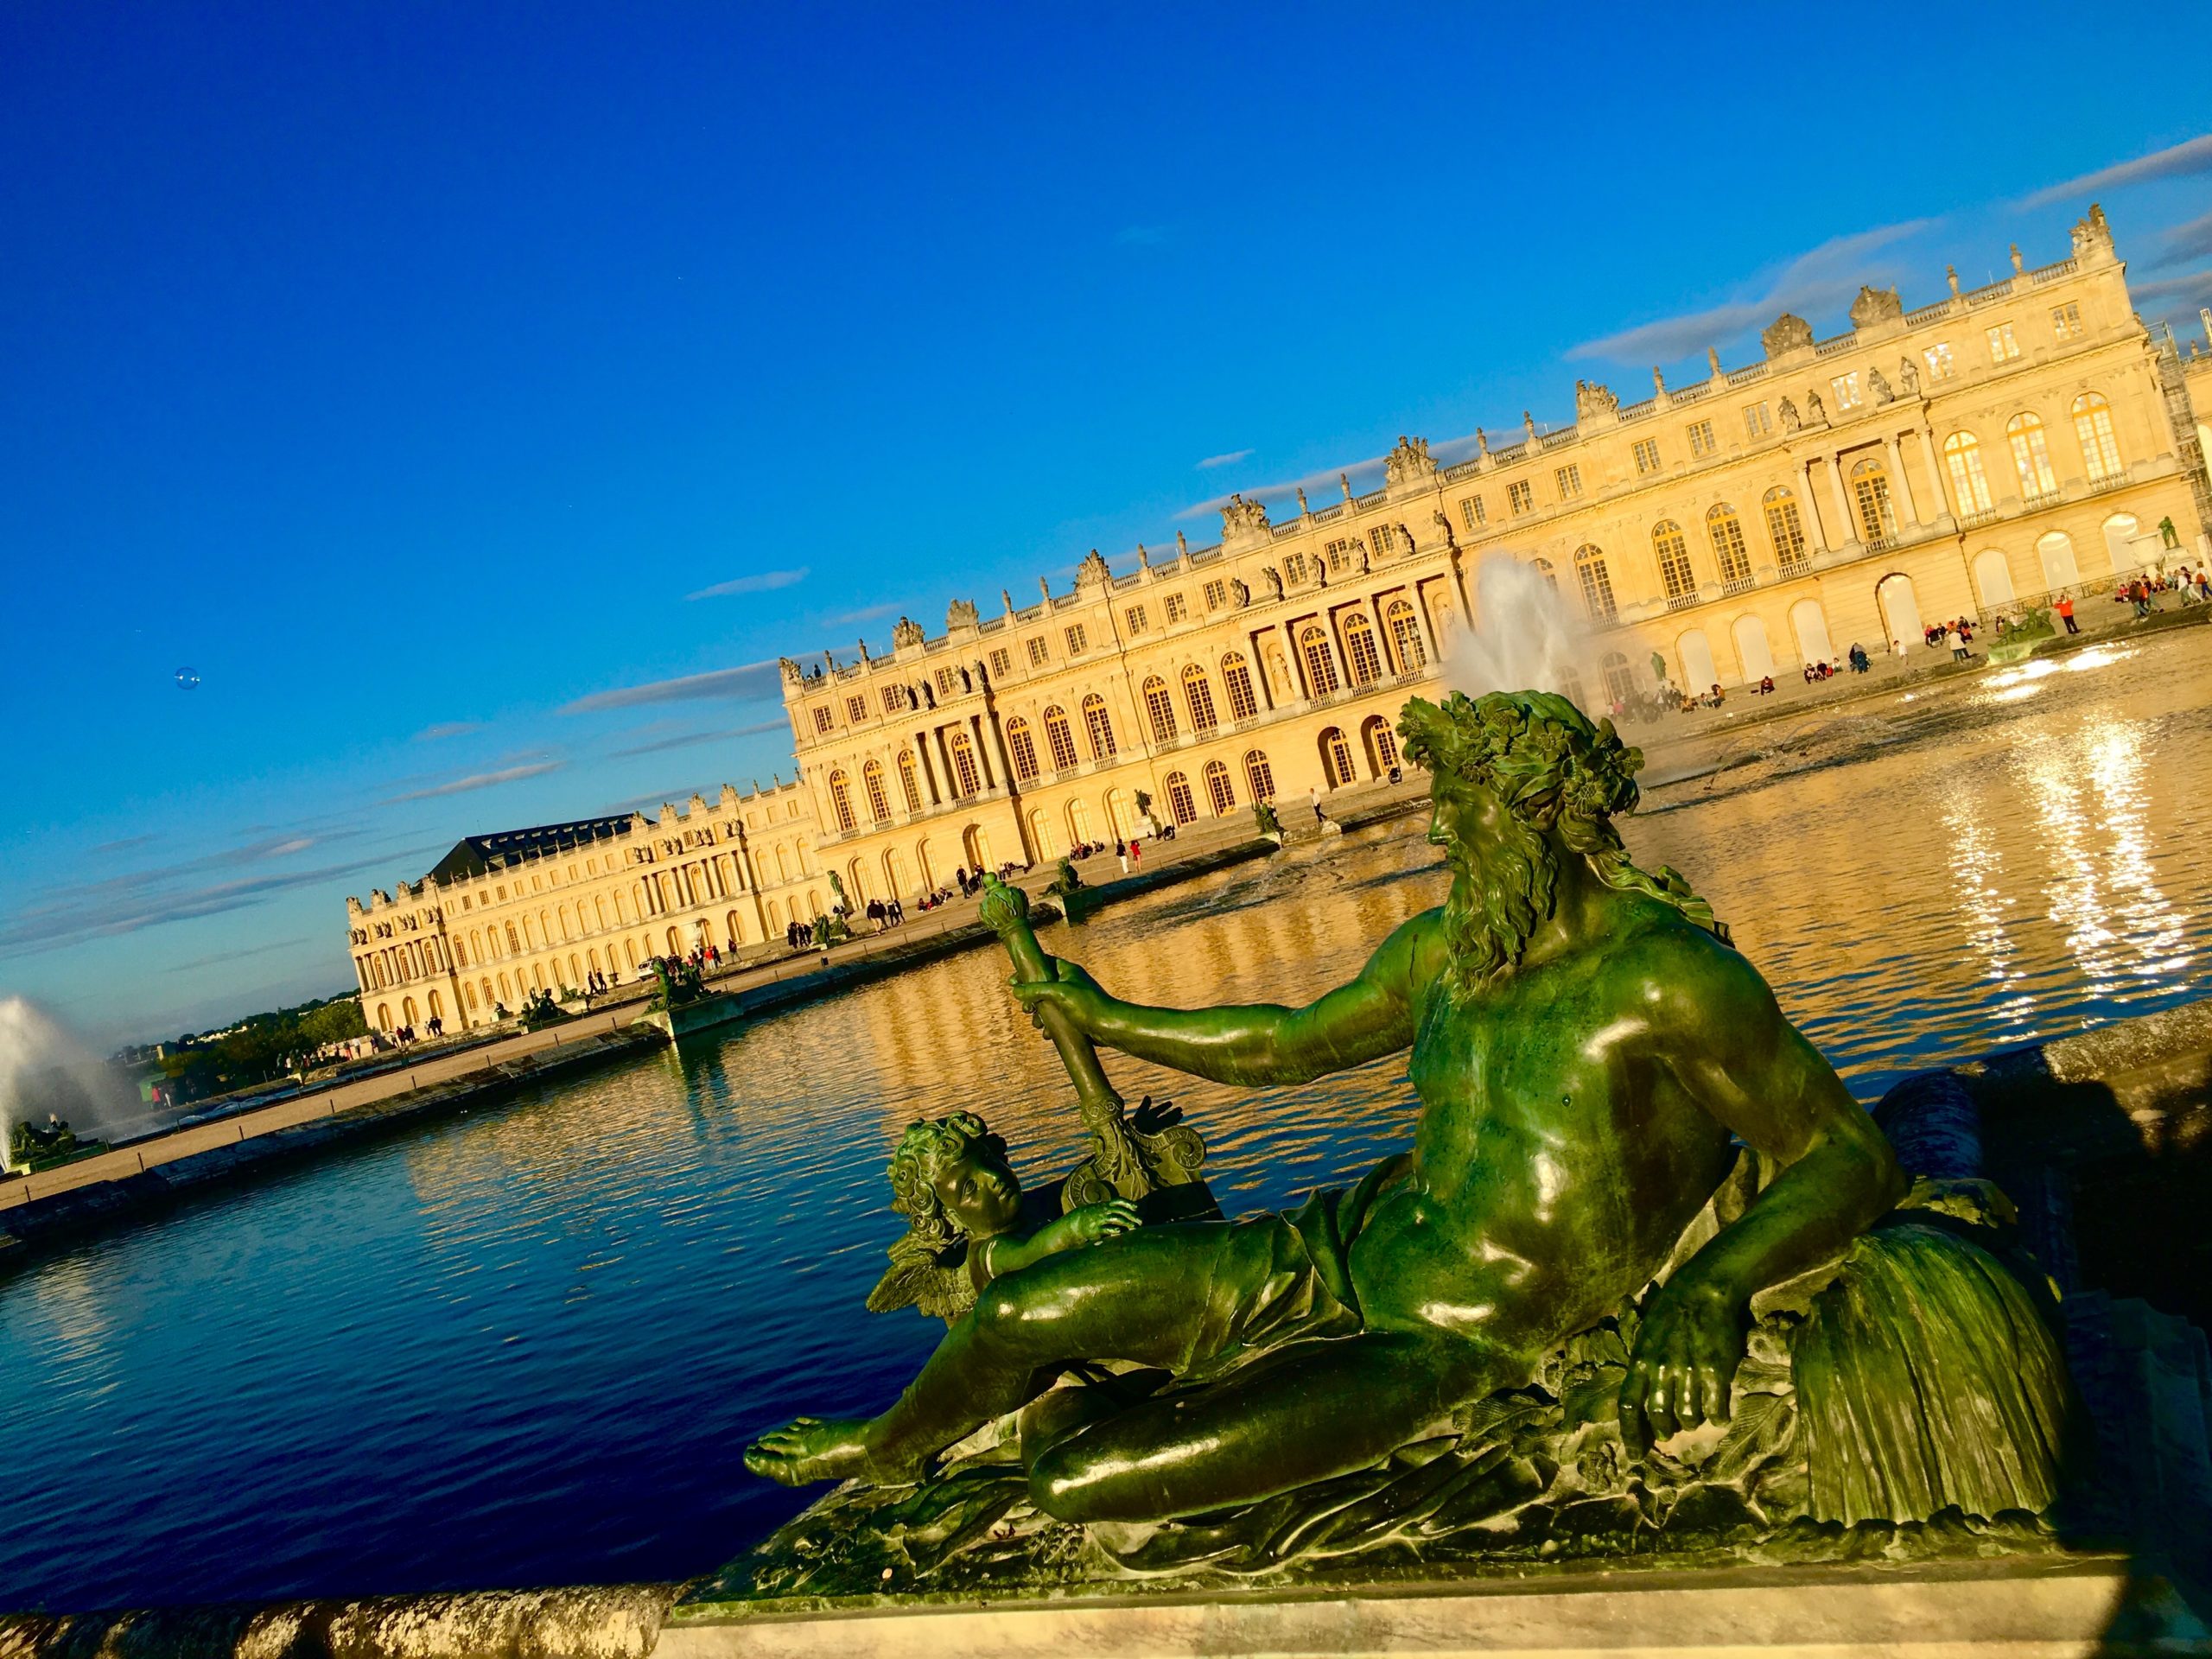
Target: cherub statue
{"points": [[965, 1219]]}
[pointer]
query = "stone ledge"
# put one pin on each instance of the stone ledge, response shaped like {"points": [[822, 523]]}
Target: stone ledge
{"points": [[2024, 1606]]}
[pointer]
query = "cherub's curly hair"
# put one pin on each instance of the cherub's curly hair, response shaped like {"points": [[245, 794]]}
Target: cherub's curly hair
{"points": [[922, 1150], [1554, 772]]}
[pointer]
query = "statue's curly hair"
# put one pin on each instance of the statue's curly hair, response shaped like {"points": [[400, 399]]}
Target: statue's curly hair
{"points": [[925, 1147], [1555, 772]]}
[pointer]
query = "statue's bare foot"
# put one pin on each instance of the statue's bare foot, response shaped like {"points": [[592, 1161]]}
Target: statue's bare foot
{"points": [[811, 1449]]}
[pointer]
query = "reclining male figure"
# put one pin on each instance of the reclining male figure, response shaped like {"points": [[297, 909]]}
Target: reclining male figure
{"points": [[1584, 1044]]}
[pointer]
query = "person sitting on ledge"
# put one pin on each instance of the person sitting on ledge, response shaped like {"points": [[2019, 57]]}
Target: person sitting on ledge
{"points": [[1585, 1043]]}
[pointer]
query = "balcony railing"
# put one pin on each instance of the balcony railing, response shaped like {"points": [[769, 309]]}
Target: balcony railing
{"points": [[2047, 499], [1681, 601], [1976, 520], [1742, 584]]}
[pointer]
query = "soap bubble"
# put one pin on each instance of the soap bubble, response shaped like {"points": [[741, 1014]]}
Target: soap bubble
{"points": [[186, 678]]}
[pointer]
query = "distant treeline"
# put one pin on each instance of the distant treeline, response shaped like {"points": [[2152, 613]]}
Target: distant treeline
{"points": [[266, 1046]]}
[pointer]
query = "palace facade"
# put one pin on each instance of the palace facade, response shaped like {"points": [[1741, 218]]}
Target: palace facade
{"points": [[1995, 445]]}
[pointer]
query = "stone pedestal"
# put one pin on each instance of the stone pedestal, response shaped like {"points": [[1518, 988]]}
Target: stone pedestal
{"points": [[2047, 1606]]}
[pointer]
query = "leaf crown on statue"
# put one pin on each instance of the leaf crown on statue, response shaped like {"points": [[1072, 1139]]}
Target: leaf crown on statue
{"points": [[1553, 770]]}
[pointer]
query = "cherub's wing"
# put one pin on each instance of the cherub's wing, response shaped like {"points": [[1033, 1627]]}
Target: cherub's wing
{"points": [[905, 1284]]}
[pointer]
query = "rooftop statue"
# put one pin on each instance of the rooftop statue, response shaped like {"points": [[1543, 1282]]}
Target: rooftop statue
{"points": [[1624, 1156]]}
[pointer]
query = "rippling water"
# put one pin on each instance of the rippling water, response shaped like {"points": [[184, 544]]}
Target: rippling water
{"points": [[527, 1346]]}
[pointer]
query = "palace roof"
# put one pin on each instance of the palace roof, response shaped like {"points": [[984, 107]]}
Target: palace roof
{"points": [[473, 854]]}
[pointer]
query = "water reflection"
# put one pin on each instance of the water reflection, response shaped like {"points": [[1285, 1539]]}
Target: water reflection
{"points": [[525, 1345]]}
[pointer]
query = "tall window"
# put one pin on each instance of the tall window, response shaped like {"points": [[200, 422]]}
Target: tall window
{"points": [[1543, 568], [1177, 609], [1674, 556], [822, 719], [909, 784], [1785, 530], [1335, 756], [1136, 619], [856, 710], [1969, 483], [879, 798], [1039, 653], [1180, 805], [1702, 441], [1620, 678], [1596, 582], [1159, 708], [1059, 739], [2031, 456], [2066, 321], [1941, 364], [1870, 499], [1219, 795], [1197, 696], [1727, 535], [2003, 348], [1001, 663], [2093, 426], [1647, 455], [840, 799], [1518, 496], [1259, 776], [1293, 568], [1848, 394], [948, 683], [1022, 747], [1320, 666], [1237, 676], [894, 699], [1756, 422], [1569, 480], [1361, 655], [1099, 727], [1472, 513], [966, 779], [1384, 538], [1078, 639], [1405, 636], [1216, 594]]}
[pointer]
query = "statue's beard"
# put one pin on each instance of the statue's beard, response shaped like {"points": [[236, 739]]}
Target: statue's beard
{"points": [[1496, 903]]}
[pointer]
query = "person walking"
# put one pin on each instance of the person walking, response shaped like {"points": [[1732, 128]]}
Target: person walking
{"points": [[1313, 794], [2066, 611], [1136, 857]]}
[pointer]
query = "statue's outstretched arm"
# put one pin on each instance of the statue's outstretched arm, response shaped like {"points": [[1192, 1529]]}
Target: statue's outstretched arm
{"points": [[1261, 1043], [1719, 1033]]}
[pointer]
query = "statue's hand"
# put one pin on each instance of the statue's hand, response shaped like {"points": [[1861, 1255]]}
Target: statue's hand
{"points": [[1684, 1363], [1095, 1222], [1071, 990], [1149, 1118]]}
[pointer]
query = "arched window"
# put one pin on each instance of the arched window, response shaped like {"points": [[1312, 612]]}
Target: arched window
{"points": [[1727, 535], [879, 799], [1320, 666], [840, 799], [2031, 456], [1180, 805], [1870, 499], [1381, 744], [1360, 654], [1058, 738], [2093, 426], [1159, 708], [966, 780], [1198, 697], [1336, 759], [1620, 678], [1674, 556], [1023, 747], [909, 784], [1258, 775], [1405, 636], [1544, 569], [1237, 676], [1098, 728], [1597, 583], [1969, 483], [1785, 530], [1219, 794]]}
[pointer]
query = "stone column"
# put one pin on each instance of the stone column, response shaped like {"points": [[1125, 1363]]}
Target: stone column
{"points": [[1006, 761], [1911, 514], [929, 773], [1934, 470], [945, 760], [1336, 649], [1841, 498], [983, 750]]}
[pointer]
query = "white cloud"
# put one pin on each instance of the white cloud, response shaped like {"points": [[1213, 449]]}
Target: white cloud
{"points": [[1229, 460], [446, 728], [1825, 278], [479, 781], [2179, 161], [2184, 243], [866, 613], [766, 582], [685, 740], [752, 680]]}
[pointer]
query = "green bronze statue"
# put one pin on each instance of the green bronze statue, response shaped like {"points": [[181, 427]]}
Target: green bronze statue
{"points": [[1587, 1049]]}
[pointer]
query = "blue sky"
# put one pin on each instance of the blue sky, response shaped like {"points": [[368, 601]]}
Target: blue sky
{"points": [[474, 396]]}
